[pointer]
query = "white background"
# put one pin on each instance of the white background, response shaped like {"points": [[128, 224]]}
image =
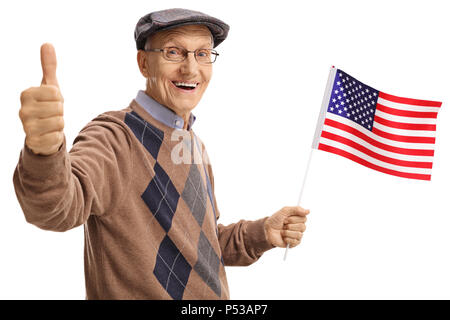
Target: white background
{"points": [[369, 235]]}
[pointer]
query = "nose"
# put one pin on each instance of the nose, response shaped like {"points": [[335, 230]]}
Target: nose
{"points": [[189, 66]]}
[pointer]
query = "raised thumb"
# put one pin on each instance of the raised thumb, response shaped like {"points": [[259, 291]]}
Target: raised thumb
{"points": [[48, 62]]}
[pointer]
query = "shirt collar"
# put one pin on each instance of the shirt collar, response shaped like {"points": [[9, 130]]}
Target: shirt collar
{"points": [[162, 113]]}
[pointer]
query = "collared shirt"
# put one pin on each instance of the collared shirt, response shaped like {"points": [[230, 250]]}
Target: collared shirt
{"points": [[162, 113]]}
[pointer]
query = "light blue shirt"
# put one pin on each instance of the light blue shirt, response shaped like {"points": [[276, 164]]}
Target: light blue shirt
{"points": [[162, 113]]}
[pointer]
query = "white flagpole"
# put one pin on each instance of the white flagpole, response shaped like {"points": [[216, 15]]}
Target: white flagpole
{"points": [[319, 126], [301, 193]]}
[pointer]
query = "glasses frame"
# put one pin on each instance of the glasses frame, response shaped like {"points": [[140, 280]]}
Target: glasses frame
{"points": [[186, 52]]}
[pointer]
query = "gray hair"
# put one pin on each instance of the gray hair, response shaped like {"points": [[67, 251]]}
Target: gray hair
{"points": [[147, 44]]}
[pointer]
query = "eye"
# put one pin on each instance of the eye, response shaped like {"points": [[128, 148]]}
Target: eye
{"points": [[173, 51], [203, 53]]}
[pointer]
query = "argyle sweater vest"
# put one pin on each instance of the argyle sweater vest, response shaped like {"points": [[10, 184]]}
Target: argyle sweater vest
{"points": [[145, 195]]}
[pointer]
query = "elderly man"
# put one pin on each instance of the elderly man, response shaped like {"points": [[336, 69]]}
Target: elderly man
{"points": [[139, 179]]}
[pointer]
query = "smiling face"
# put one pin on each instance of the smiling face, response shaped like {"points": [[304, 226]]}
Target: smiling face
{"points": [[177, 85]]}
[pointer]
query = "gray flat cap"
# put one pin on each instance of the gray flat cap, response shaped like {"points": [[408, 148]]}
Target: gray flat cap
{"points": [[172, 18]]}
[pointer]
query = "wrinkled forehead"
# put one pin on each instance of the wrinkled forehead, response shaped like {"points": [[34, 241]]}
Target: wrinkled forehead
{"points": [[189, 35]]}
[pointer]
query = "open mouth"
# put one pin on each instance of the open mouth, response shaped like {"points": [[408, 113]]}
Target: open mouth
{"points": [[185, 85]]}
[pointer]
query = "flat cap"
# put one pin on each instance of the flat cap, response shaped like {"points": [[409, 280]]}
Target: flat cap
{"points": [[172, 18]]}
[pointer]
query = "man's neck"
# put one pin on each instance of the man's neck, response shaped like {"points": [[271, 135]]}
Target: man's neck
{"points": [[184, 116]]}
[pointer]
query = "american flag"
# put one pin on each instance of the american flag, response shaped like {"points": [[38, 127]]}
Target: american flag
{"points": [[384, 132]]}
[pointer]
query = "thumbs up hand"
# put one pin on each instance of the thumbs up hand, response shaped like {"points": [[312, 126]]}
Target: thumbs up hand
{"points": [[42, 110]]}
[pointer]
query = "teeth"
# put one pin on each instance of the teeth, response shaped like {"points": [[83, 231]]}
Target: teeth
{"points": [[184, 84]]}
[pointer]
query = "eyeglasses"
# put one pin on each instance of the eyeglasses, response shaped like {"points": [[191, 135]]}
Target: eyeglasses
{"points": [[203, 56]]}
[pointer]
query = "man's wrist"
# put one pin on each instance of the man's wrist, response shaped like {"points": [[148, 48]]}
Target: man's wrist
{"points": [[257, 235], [41, 166]]}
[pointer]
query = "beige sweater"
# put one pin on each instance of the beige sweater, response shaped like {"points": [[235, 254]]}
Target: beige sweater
{"points": [[150, 223]]}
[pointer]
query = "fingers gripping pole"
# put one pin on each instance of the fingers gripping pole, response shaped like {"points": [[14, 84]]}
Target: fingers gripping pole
{"points": [[301, 193]]}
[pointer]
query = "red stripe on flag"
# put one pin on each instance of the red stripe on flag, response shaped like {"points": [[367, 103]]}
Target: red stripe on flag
{"points": [[414, 102], [357, 146], [365, 163], [411, 152], [405, 113], [400, 138], [407, 126]]}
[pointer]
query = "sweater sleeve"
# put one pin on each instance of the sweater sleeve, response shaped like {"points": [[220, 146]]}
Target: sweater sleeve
{"points": [[60, 191], [241, 243]]}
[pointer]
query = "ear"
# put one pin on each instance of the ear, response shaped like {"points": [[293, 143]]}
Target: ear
{"points": [[142, 62]]}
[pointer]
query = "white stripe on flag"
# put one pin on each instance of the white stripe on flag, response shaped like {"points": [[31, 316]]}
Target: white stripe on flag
{"points": [[406, 107], [404, 132], [373, 160], [371, 147], [402, 119], [370, 134]]}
